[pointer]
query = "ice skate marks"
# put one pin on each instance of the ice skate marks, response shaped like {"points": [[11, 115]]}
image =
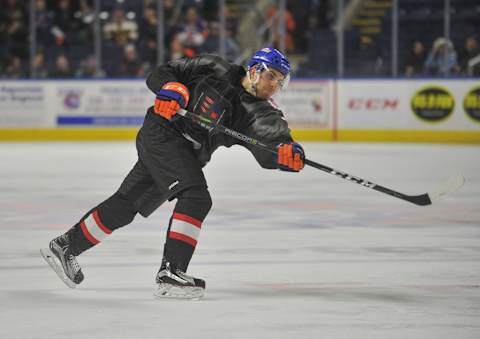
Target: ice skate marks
{"points": [[176, 292], [50, 259]]}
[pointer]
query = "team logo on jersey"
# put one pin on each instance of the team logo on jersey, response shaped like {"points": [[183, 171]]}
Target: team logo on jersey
{"points": [[210, 105], [209, 108]]}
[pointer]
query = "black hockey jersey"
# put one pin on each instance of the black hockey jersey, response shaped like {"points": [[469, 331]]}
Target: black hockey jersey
{"points": [[216, 91]]}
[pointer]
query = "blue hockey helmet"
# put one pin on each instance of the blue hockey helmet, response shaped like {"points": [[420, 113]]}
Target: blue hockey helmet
{"points": [[270, 57]]}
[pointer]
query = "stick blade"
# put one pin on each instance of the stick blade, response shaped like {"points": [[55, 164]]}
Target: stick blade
{"points": [[450, 185]]}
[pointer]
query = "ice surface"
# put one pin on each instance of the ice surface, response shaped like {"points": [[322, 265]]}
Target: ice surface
{"points": [[284, 255]]}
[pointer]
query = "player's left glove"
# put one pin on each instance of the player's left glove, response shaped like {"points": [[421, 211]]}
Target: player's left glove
{"points": [[291, 157], [170, 98]]}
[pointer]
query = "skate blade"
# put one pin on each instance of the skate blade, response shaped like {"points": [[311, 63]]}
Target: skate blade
{"points": [[50, 259], [176, 292]]}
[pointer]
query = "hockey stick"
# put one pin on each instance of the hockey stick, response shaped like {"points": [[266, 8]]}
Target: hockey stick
{"points": [[450, 185]]}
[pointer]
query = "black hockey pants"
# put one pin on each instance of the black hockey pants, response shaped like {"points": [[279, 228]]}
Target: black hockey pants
{"points": [[167, 168]]}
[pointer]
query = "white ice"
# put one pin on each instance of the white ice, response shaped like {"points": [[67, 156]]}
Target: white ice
{"points": [[284, 255]]}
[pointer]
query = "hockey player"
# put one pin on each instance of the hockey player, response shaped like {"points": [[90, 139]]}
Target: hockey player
{"points": [[172, 151]]}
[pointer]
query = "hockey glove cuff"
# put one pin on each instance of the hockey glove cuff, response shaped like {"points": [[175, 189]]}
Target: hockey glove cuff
{"points": [[170, 98], [291, 157]]}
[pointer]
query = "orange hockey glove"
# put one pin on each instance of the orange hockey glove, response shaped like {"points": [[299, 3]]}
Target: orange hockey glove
{"points": [[170, 98], [291, 157]]}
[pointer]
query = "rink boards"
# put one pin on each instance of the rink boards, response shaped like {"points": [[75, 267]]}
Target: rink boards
{"points": [[413, 110]]}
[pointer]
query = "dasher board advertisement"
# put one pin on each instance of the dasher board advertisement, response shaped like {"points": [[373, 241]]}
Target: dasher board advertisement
{"points": [[426, 104]]}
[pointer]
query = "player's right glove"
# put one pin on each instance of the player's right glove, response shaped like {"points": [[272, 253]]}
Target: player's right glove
{"points": [[170, 98], [291, 157]]}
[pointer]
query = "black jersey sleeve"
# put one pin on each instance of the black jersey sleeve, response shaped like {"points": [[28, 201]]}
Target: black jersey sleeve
{"points": [[174, 71], [268, 125], [185, 70]]}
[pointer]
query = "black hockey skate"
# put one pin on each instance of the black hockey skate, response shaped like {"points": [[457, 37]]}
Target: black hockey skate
{"points": [[68, 269], [174, 283]]}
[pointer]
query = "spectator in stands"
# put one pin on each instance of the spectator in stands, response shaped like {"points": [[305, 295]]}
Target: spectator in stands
{"points": [[303, 12], [212, 43], [65, 22], [89, 69], [442, 59], [367, 58], [231, 23], [148, 36], [416, 60], [193, 32], [86, 12], [119, 28], [44, 19], [62, 68], [14, 29], [14, 69], [40, 69], [131, 66], [149, 4], [119, 32], [86, 18], [471, 51], [171, 14], [290, 26], [148, 26], [176, 49]]}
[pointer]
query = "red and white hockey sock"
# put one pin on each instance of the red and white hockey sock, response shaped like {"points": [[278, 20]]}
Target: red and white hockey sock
{"points": [[185, 228], [182, 238], [113, 213], [93, 229]]}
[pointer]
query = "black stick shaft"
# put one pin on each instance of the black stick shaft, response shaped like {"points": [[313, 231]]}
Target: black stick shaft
{"points": [[205, 122]]}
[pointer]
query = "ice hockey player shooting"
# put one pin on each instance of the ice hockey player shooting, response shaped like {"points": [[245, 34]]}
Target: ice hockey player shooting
{"points": [[172, 151]]}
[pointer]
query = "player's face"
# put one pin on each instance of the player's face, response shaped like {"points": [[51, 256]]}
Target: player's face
{"points": [[269, 83]]}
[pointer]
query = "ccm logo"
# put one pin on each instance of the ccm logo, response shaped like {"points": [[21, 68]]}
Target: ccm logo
{"points": [[372, 104]]}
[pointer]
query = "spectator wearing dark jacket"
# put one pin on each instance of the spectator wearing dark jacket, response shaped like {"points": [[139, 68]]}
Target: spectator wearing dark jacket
{"points": [[467, 56], [62, 68], [416, 60]]}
